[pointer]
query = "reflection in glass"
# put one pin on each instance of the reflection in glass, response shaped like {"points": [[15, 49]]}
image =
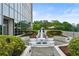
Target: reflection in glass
{"points": [[18, 12], [0, 25], [5, 10], [11, 13]]}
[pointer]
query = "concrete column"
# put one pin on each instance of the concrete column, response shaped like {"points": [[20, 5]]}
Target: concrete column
{"points": [[11, 27]]}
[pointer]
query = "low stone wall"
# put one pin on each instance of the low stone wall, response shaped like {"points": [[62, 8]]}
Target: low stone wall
{"points": [[59, 42], [27, 51], [58, 51], [60, 38], [70, 34]]}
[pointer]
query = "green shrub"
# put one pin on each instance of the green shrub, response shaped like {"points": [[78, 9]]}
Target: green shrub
{"points": [[32, 33], [11, 45], [74, 47], [52, 33]]}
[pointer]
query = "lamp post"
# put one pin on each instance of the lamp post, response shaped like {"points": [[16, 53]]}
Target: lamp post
{"points": [[73, 29], [73, 32]]}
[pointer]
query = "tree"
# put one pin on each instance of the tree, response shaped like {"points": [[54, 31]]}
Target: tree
{"points": [[57, 25], [38, 24], [77, 27], [67, 26]]}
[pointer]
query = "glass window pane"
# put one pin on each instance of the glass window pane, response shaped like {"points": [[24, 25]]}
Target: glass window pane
{"points": [[19, 6], [0, 25], [5, 10], [16, 6], [0, 8], [15, 16], [11, 13], [11, 5], [7, 4], [19, 17], [21, 9]]}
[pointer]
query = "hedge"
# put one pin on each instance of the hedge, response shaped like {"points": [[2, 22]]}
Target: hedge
{"points": [[32, 33], [52, 33], [74, 47], [11, 45]]}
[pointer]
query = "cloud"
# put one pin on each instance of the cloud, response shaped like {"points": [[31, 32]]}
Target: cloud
{"points": [[35, 13], [71, 15]]}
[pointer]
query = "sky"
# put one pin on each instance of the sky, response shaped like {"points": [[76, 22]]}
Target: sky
{"points": [[56, 11]]}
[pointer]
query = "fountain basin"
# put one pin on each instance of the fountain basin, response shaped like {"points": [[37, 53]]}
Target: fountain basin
{"points": [[41, 42]]}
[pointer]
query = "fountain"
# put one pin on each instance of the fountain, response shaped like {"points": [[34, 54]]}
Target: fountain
{"points": [[41, 46], [42, 39]]}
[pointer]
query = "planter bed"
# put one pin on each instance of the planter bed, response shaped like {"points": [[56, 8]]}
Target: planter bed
{"points": [[65, 50], [52, 33], [72, 49], [31, 34]]}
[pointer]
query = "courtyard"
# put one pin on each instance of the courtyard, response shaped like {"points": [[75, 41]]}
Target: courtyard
{"points": [[29, 29], [47, 46]]}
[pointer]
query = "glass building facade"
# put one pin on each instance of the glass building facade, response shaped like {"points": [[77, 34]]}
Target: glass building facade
{"points": [[15, 18]]}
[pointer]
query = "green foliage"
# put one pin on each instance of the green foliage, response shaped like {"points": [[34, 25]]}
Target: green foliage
{"points": [[32, 33], [22, 26], [74, 47], [0, 29], [11, 45], [38, 24], [65, 26], [52, 33]]}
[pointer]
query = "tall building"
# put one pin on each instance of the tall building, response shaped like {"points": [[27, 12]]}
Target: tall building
{"points": [[15, 18]]}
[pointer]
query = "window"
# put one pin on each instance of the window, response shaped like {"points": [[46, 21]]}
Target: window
{"points": [[5, 10], [0, 20], [21, 9], [16, 6], [15, 15], [7, 4], [23, 18], [19, 17], [12, 5], [11, 13], [19, 6], [0, 8], [0, 25]]}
